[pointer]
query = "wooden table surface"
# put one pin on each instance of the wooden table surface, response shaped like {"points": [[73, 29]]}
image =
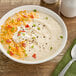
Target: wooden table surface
{"points": [[11, 68]]}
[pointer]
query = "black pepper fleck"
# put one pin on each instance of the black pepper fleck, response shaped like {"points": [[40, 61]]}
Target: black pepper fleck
{"points": [[49, 38], [39, 46], [43, 36], [46, 43], [43, 47], [29, 50], [36, 43], [43, 25], [37, 36], [32, 41], [26, 39], [23, 29]]}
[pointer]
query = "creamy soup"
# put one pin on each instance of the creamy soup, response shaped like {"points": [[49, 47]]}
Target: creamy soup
{"points": [[31, 35]]}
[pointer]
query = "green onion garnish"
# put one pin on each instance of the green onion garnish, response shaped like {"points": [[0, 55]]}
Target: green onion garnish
{"points": [[24, 50], [12, 20], [38, 28], [33, 37], [23, 34], [61, 37], [46, 18], [8, 52], [12, 29], [9, 47], [2, 41], [25, 54], [32, 46], [51, 48], [34, 25], [35, 10]]}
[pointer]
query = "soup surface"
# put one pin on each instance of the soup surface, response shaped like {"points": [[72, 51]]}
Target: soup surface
{"points": [[31, 35]]}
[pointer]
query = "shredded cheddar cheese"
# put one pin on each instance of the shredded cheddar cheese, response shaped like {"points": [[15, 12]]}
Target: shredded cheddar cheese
{"points": [[10, 27]]}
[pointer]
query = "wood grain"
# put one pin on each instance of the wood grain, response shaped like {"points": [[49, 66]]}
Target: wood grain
{"points": [[11, 68]]}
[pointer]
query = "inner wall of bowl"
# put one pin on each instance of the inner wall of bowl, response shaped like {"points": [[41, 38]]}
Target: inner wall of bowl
{"points": [[44, 10]]}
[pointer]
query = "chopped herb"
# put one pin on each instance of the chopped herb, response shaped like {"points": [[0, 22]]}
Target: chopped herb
{"points": [[9, 47], [2, 41], [34, 25], [8, 52], [38, 28], [61, 37], [23, 34], [25, 54], [32, 46], [46, 18], [24, 50], [12, 29], [35, 10], [51, 48], [12, 21], [33, 37], [19, 32]]}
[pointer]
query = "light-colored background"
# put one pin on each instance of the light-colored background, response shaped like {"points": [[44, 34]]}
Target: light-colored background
{"points": [[11, 68]]}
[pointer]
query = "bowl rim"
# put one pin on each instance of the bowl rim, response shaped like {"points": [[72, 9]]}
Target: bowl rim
{"points": [[48, 11]]}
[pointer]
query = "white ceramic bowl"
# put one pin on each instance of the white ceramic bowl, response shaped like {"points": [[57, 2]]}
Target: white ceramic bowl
{"points": [[42, 9]]}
